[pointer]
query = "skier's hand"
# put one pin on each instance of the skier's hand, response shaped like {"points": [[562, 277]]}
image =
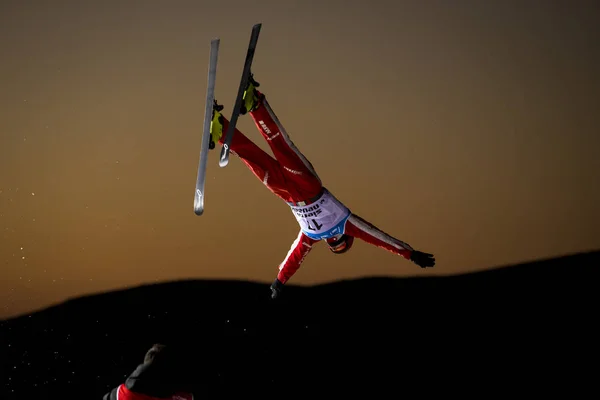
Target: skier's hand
{"points": [[423, 260], [276, 288]]}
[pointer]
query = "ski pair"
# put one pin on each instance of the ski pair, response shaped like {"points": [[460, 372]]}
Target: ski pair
{"points": [[208, 113]]}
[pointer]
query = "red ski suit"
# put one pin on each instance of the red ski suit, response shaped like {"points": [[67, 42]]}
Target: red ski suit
{"points": [[123, 393], [292, 178], [147, 382]]}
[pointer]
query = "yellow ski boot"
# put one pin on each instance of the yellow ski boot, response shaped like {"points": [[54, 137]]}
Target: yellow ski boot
{"points": [[216, 125], [252, 97]]}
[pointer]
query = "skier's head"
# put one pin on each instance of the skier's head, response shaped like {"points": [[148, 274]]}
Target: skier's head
{"points": [[160, 354], [340, 244], [168, 368], [156, 352]]}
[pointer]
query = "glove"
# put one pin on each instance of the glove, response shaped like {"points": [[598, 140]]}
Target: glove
{"points": [[423, 260], [276, 288]]}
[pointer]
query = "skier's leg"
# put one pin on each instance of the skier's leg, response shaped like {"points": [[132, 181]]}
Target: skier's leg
{"points": [[278, 139], [262, 165], [366, 231], [295, 165]]}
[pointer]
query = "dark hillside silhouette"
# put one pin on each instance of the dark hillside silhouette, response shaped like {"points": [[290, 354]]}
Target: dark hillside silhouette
{"points": [[531, 324]]}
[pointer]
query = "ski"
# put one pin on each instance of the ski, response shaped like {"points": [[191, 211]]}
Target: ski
{"points": [[224, 159], [206, 139]]}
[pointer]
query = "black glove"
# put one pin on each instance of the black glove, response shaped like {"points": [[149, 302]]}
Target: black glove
{"points": [[276, 288], [423, 260]]}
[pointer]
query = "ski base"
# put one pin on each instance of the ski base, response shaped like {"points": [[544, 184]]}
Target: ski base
{"points": [[199, 196]]}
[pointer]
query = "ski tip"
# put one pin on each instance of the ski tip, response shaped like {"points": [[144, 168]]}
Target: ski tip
{"points": [[198, 203], [224, 158], [198, 208]]}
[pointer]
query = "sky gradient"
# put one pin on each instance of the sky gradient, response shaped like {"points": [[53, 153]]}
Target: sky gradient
{"points": [[469, 129]]}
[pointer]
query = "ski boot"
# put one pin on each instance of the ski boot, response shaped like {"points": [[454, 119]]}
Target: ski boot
{"points": [[216, 125], [252, 97]]}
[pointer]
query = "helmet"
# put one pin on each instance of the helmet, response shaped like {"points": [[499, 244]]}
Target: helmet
{"points": [[340, 244]]}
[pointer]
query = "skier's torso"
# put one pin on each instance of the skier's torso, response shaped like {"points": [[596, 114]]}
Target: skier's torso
{"points": [[323, 218], [125, 394], [149, 382]]}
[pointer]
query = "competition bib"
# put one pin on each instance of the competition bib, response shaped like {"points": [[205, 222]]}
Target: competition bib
{"points": [[322, 219]]}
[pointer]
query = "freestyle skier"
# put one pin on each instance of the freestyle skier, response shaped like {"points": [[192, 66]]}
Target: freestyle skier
{"points": [[159, 377], [292, 178]]}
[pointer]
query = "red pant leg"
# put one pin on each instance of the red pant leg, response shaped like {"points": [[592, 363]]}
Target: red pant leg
{"points": [[364, 230], [262, 165], [296, 168]]}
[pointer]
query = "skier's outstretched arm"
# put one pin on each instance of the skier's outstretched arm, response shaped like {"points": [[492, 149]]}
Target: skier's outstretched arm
{"points": [[292, 261], [366, 231]]}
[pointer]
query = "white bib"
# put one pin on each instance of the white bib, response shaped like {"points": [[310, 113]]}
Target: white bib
{"points": [[322, 219]]}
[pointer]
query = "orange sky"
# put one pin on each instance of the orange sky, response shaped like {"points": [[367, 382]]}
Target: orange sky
{"points": [[468, 129]]}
